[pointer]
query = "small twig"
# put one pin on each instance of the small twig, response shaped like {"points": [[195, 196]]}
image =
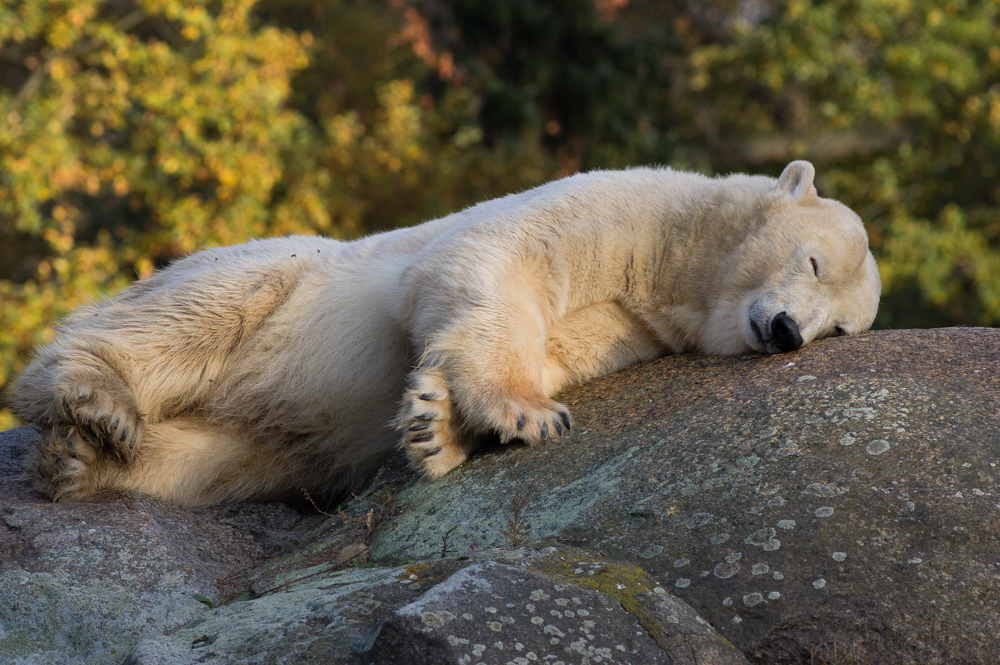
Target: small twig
{"points": [[444, 541], [517, 530], [370, 519], [287, 583], [309, 498]]}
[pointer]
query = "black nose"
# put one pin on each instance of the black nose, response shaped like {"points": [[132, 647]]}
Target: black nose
{"points": [[785, 332]]}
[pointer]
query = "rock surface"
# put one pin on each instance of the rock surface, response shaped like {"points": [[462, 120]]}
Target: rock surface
{"points": [[844, 497], [493, 612], [84, 582], [836, 504]]}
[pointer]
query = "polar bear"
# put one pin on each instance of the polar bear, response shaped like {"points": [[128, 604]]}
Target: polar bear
{"points": [[254, 371]]}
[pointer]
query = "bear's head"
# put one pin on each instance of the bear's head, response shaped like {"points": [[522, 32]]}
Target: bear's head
{"points": [[804, 273]]}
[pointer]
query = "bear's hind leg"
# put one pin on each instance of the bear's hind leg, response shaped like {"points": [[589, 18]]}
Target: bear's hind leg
{"points": [[89, 422], [103, 408], [187, 461], [81, 393], [63, 464], [433, 439]]}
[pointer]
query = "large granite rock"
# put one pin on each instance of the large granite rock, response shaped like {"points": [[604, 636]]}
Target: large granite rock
{"points": [[843, 497], [831, 505]]}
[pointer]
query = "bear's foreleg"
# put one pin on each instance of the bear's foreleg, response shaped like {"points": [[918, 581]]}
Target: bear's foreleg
{"points": [[437, 437], [480, 374], [595, 341], [497, 377]]}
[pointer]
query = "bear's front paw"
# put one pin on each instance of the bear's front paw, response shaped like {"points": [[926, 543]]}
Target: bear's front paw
{"points": [[102, 409], [432, 440], [533, 420]]}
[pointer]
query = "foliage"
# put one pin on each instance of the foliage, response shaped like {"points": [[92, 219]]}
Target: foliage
{"points": [[562, 71], [133, 132], [897, 102]]}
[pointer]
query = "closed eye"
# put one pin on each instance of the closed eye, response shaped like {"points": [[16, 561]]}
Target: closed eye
{"points": [[815, 265]]}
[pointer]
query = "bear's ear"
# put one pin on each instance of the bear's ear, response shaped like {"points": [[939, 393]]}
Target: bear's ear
{"points": [[796, 181]]}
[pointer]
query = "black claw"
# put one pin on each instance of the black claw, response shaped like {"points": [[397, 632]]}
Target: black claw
{"points": [[424, 416], [545, 430], [418, 428], [565, 418], [559, 429], [420, 438], [428, 397], [520, 421], [433, 452]]}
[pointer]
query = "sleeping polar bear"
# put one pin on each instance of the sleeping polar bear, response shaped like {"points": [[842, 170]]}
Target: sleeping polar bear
{"points": [[251, 372]]}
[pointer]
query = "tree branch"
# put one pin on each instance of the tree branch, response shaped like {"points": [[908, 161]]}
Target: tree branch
{"points": [[37, 77], [821, 147]]}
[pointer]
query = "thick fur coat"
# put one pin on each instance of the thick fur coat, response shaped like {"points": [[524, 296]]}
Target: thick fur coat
{"points": [[254, 371]]}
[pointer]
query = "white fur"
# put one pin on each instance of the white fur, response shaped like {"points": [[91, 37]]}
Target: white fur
{"points": [[253, 371]]}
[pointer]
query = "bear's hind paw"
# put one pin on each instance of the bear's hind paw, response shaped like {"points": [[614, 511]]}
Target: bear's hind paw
{"points": [[62, 464], [102, 409]]}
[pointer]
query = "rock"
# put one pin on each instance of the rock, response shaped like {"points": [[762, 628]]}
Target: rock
{"points": [[328, 617], [84, 582], [835, 504], [376, 615], [843, 497], [499, 613]]}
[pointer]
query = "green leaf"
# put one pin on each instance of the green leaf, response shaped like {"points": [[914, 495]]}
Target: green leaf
{"points": [[204, 599]]}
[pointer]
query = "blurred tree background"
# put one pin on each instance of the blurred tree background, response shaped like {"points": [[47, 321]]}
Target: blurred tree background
{"points": [[134, 132]]}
